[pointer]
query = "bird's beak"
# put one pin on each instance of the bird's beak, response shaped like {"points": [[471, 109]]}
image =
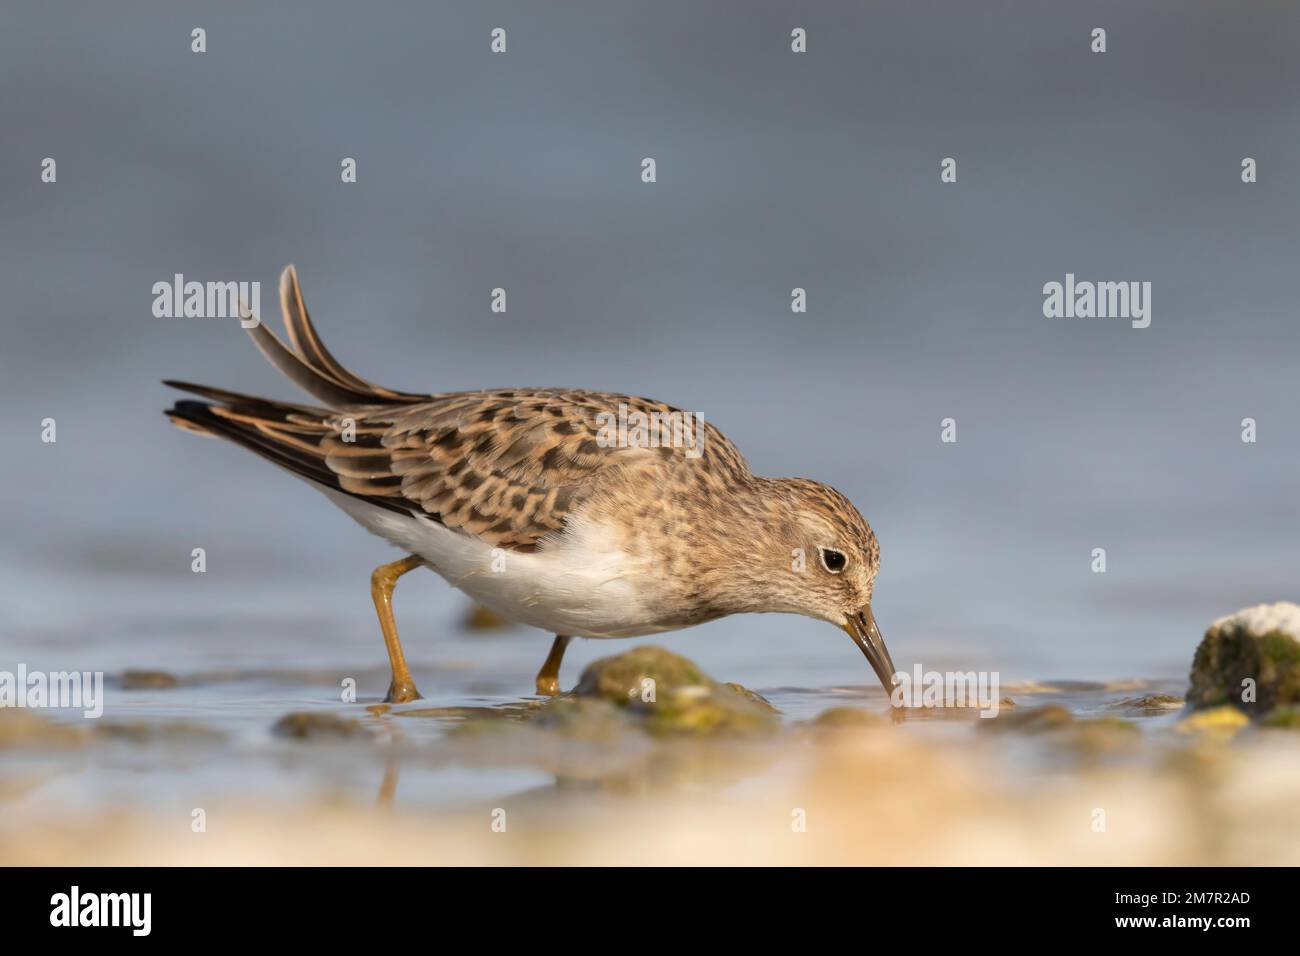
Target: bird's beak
{"points": [[862, 628]]}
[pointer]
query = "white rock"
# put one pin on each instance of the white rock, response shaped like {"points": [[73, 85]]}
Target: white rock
{"points": [[1262, 618]]}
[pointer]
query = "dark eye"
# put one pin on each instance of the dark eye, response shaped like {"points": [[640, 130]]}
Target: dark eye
{"points": [[833, 561]]}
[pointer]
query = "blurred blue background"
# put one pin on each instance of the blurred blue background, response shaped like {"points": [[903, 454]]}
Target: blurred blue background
{"points": [[775, 170]]}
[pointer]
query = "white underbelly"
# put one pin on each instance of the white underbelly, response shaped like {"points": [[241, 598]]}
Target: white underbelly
{"points": [[582, 585]]}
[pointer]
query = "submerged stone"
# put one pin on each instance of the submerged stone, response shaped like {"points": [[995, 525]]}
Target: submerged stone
{"points": [[1031, 720], [316, 725], [1249, 660], [1087, 739], [585, 718]]}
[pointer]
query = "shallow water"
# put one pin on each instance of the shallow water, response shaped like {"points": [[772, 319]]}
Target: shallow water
{"points": [[243, 758], [407, 786]]}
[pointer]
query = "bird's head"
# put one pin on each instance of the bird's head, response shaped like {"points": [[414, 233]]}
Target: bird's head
{"points": [[832, 565]]}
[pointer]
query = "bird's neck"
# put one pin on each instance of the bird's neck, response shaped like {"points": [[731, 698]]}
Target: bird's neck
{"points": [[743, 550]]}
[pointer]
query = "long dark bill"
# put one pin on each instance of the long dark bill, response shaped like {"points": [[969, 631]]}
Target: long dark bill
{"points": [[862, 628]]}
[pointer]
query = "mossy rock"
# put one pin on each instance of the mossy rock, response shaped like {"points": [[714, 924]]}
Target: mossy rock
{"points": [[622, 679], [317, 725], [722, 711], [1259, 644], [669, 694]]}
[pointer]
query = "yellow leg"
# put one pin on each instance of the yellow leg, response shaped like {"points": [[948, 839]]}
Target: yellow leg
{"points": [[382, 581], [548, 678]]}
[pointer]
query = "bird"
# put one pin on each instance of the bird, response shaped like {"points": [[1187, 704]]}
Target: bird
{"points": [[556, 508]]}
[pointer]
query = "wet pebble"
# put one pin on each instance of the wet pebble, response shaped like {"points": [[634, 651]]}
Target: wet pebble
{"points": [[147, 680]]}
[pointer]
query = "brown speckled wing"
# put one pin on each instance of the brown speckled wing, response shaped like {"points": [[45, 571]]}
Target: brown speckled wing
{"points": [[507, 466]]}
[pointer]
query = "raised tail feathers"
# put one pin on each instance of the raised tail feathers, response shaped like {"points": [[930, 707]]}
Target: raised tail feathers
{"points": [[296, 436], [308, 363]]}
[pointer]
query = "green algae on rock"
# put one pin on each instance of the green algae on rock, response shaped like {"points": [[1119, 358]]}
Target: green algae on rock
{"points": [[1249, 660], [669, 694]]}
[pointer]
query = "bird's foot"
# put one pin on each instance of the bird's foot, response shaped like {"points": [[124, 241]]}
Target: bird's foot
{"points": [[548, 686], [401, 692]]}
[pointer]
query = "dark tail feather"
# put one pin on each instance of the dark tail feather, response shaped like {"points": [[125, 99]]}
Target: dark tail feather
{"points": [[228, 397], [204, 418], [286, 435]]}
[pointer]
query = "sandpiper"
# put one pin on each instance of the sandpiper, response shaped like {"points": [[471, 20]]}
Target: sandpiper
{"points": [[519, 497]]}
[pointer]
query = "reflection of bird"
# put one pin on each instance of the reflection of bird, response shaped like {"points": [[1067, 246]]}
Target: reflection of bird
{"points": [[527, 500]]}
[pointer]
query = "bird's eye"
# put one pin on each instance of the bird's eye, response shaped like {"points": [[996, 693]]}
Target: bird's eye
{"points": [[833, 561]]}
